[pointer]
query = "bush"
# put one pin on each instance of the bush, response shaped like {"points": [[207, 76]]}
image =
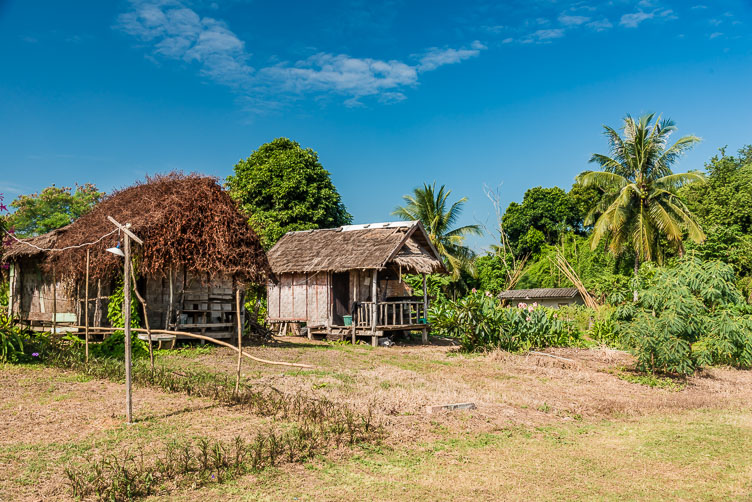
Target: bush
{"points": [[480, 322], [11, 341], [688, 316], [114, 346]]}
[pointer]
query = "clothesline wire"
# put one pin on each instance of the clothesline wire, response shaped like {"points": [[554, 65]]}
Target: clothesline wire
{"points": [[61, 249]]}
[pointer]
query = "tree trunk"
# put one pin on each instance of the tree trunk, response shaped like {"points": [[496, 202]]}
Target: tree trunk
{"points": [[636, 273]]}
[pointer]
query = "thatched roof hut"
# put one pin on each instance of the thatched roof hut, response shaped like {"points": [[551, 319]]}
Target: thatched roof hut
{"points": [[330, 277], [197, 248], [357, 247], [184, 220]]}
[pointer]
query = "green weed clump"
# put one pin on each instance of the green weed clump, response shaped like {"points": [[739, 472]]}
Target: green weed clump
{"points": [[479, 321], [317, 425], [190, 463], [688, 316]]}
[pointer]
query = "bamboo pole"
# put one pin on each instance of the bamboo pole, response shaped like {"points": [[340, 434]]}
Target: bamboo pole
{"points": [[54, 302], [146, 317], [86, 307], [424, 334], [212, 340], [127, 329], [240, 337]]}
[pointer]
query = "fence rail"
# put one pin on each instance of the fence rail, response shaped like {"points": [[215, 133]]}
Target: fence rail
{"points": [[394, 313]]}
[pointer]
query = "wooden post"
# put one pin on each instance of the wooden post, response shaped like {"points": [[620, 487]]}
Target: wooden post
{"points": [[374, 307], [11, 288], [240, 337], [146, 318], [86, 307], [425, 311], [54, 302], [127, 329], [127, 312], [98, 305], [169, 306]]}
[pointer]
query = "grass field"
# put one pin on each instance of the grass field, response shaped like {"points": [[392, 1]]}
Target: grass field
{"points": [[577, 427]]}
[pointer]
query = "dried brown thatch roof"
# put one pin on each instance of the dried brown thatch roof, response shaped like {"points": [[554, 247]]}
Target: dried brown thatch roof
{"points": [[352, 247], [539, 293], [26, 249], [184, 220]]}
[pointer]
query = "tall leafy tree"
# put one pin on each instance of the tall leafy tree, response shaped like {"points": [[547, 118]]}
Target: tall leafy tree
{"points": [[52, 208], [439, 217], [640, 205], [542, 217], [723, 206], [284, 187]]}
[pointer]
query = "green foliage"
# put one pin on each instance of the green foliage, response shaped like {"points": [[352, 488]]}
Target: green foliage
{"points": [[283, 187], [480, 322], [545, 213], [723, 206], [688, 316], [11, 341], [640, 206], [114, 345], [52, 208], [115, 308], [605, 276], [439, 218], [490, 273]]}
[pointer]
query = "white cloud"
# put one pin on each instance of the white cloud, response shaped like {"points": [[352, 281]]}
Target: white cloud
{"points": [[435, 57], [715, 35], [633, 20], [568, 20], [180, 33], [343, 74], [546, 35], [600, 25], [177, 32]]}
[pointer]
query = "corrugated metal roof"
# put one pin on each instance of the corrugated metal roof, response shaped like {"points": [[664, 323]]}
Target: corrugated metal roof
{"points": [[532, 294]]}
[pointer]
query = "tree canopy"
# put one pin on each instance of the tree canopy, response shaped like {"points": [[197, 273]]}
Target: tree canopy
{"points": [[543, 215], [283, 187], [640, 204], [54, 207], [433, 209], [723, 207]]}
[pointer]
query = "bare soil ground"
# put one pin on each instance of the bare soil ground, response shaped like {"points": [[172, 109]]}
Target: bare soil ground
{"points": [[570, 427]]}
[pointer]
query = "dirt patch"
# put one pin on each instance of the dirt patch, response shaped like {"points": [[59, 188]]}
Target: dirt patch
{"points": [[53, 418], [509, 390]]}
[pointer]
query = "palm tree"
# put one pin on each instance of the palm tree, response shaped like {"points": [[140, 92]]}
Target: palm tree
{"points": [[639, 203], [432, 208]]}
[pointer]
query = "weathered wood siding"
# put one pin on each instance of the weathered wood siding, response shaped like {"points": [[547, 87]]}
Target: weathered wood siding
{"points": [[35, 295], [299, 297]]}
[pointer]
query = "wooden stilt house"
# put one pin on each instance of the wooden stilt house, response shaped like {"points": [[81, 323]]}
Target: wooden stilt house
{"points": [[198, 250], [348, 281]]}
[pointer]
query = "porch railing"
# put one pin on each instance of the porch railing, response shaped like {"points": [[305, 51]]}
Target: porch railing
{"points": [[391, 313]]}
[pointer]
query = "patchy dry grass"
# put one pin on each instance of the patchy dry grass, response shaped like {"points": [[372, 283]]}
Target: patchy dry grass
{"points": [[574, 428]]}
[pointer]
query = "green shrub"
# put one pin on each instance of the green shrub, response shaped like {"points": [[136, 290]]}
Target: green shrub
{"points": [[688, 316], [115, 308], [114, 346], [11, 341], [480, 322]]}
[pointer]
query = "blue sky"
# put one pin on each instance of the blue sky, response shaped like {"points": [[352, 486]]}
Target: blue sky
{"points": [[390, 94]]}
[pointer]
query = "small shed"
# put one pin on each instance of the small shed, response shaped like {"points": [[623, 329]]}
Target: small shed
{"points": [[37, 293], [198, 249], [348, 281], [546, 297]]}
